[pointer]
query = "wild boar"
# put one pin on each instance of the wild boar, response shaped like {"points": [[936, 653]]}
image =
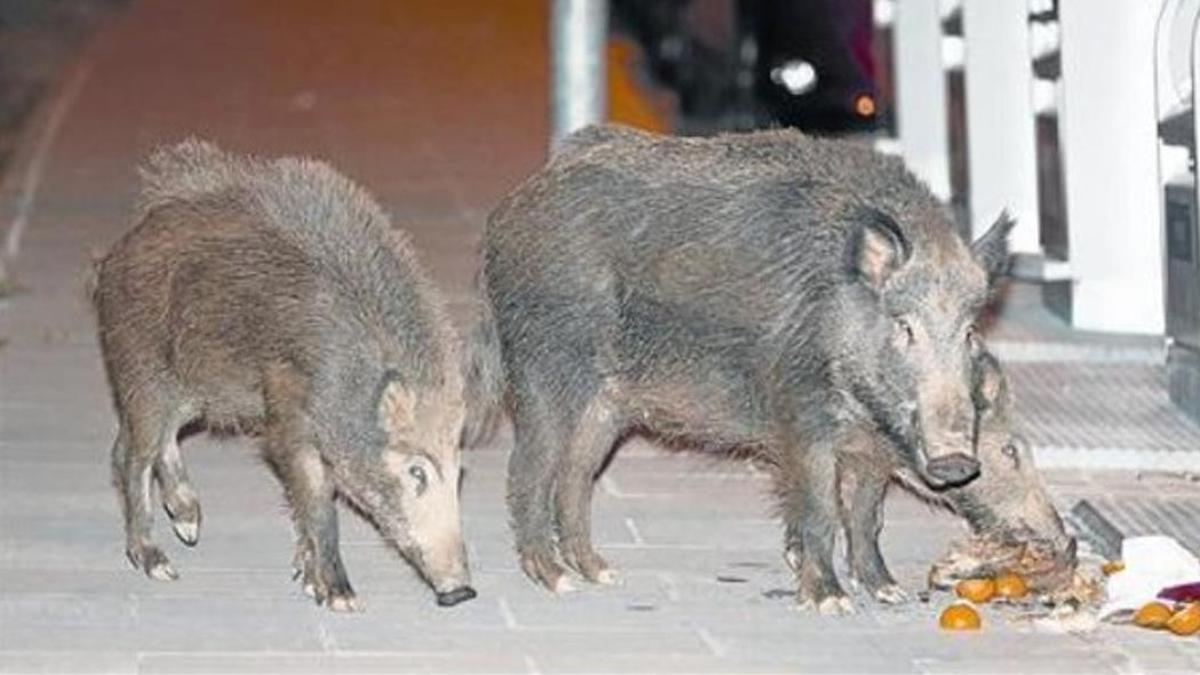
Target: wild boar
{"points": [[767, 291], [1007, 504], [275, 298]]}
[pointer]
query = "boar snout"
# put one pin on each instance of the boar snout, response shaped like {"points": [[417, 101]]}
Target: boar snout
{"points": [[943, 464], [947, 452], [444, 567], [448, 571], [452, 598], [952, 469], [443, 563]]}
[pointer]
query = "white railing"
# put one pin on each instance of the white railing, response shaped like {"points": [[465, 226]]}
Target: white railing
{"points": [[1107, 113]]}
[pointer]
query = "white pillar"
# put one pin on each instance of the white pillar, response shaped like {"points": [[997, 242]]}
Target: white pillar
{"points": [[578, 31], [1001, 139], [921, 93], [1107, 127], [1173, 169]]}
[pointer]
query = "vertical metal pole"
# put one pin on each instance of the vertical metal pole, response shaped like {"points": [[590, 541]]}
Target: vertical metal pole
{"points": [[578, 29]]}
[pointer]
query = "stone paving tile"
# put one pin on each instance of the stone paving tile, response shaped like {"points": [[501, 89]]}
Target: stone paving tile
{"points": [[658, 642], [245, 624], [365, 663], [19, 661], [65, 623], [686, 664]]}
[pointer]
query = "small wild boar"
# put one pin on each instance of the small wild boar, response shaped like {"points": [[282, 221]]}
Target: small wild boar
{"points": [[767, 291], [275, 298], [1007, 503]]}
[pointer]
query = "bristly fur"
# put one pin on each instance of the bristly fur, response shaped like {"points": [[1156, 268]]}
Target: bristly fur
{"points": [[483, 375], [330, 217], [742, 291], [275, 295]]}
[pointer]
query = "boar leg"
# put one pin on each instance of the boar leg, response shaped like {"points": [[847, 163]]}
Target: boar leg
{"points": [[309, 489], [808, 486], [862, 498], [178, 498], [595, 434], [139, 441], [530, 473]]}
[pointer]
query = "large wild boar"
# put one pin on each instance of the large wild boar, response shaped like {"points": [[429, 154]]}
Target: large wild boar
{"points": [[1007, 504], [766, 290], [275, 298]]}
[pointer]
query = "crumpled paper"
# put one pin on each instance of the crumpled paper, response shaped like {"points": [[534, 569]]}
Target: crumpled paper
{"points": [[1152, 563]]}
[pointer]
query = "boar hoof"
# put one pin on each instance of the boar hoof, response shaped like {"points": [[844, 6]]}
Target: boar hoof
{"points": [[187, 531], [345, 604], [891, 595], [152, 561], [184, 511], [163, 572], [542, 568], [607, 577], [590, 565], [835, 605], [562, 585]]}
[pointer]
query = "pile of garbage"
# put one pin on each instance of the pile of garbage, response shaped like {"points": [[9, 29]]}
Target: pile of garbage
{"points": [[1155, 585]]}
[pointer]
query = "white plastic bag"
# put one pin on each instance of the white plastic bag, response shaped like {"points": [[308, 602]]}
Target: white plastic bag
{"points": [[1152, 563]]}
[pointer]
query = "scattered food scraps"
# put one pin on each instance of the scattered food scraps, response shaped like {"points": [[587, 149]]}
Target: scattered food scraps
{"points": [[1186, 621], [1152, 615], [978, 591], [960, 616], [1011, 586]]}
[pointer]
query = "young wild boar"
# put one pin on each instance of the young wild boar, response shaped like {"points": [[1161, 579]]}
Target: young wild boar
{"points": [[274, 297], [767, 291], [1007, 503]]}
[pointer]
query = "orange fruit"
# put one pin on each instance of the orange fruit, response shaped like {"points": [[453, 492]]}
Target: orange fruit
{"points": [[976, 590], [1186, 621], [1152, 615], [1011, 586], [959, 616], [1112, 567]]}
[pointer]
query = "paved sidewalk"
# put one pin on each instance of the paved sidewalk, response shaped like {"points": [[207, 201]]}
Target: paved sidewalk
{"points": [[437, 108]]}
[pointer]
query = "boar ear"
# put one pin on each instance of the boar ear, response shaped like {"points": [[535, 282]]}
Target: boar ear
{"points": [[878, 248], [991, 389], [991, 250], [394, 408]]}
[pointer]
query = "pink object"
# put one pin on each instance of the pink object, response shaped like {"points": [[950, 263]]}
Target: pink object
{"points": [[1181, 593]]}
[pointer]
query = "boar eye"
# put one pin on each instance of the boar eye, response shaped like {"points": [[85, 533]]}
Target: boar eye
{"points": [[973, 335], [420, 476], [904, 332], [1010, 451]]}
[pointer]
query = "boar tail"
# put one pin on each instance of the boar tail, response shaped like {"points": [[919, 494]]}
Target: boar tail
{"points": [[483, 377], [182, 172]]}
